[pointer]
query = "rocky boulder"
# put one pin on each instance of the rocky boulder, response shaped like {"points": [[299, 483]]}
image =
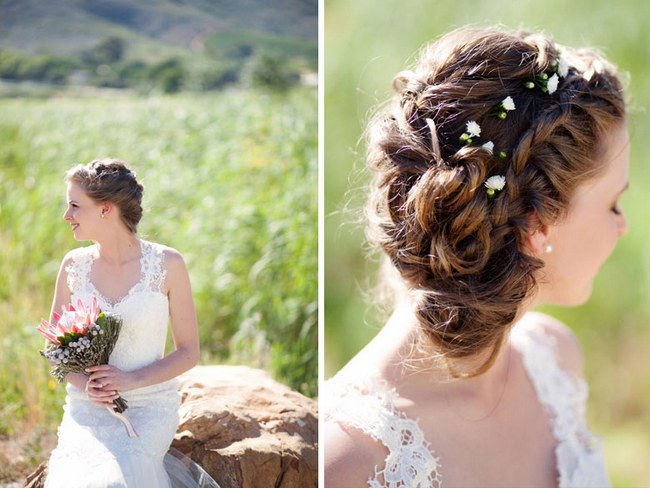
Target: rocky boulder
{"points": [[245, 429]]}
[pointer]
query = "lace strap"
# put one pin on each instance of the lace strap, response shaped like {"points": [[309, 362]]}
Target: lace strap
{"points": [[153, 268], [555, 388], [369, 408], [78, 270], [578, 451]]}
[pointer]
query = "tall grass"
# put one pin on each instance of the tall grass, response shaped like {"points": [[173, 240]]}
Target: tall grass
{"points": [[366, 43], [230, 181]]}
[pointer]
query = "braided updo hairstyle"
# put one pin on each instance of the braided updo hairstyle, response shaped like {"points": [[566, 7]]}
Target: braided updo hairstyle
{"points": [[111, 180], [462, 255]]}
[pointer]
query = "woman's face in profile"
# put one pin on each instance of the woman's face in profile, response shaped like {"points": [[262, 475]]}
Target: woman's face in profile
{"points": [[584, 240], [82, 212]]}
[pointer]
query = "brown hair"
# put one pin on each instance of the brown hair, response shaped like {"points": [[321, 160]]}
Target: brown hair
{"points": [[461, 254], [111, 180]]}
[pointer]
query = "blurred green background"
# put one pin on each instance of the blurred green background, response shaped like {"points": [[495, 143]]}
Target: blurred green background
{"points": [[366, 43]]}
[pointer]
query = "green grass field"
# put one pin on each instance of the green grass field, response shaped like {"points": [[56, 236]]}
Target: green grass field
{"points": [[230, 181], [366, 43]]}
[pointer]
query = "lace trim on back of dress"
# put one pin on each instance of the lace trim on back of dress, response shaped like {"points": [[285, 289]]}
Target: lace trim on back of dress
{"points": [[152, 271], [578, 452], [369, 408], [368, 405]]}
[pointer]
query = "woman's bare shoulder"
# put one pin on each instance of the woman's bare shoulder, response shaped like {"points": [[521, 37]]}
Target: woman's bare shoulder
{"points": [[172, 258], [568, 348], [350, 456]]}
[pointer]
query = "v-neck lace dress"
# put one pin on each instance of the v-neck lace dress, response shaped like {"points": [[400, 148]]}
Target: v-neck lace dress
{"points": [[368, 405], [94, 449]]}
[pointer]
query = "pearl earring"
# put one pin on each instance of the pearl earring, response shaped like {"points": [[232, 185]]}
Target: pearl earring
{"points": [[548, 248], [103, 215]]}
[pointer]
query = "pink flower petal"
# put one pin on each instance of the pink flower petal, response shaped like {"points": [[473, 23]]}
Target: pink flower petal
{"points": [[95, 310], [46, 324], [49, 336]]}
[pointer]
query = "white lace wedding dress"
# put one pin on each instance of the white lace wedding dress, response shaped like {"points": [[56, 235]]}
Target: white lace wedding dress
{"points": [[94, 449], [410, 463]]}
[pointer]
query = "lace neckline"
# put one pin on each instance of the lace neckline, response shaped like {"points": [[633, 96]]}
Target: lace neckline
{"points": [[115, 303]]}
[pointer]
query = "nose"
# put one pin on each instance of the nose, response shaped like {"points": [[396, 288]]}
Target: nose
{"points": [[66, 214]]}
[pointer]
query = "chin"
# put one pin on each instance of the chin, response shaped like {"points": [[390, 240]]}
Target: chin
{"points": [[79, 237]]}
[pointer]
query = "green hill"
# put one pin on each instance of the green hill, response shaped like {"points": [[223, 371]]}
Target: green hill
{"points": [[167, 45], [153, 29]]}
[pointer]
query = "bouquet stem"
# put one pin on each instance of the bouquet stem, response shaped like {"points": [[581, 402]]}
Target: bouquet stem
{"points": [[120, 404]]}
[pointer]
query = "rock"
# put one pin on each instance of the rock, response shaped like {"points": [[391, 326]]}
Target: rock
{"points": [[245, 429]]}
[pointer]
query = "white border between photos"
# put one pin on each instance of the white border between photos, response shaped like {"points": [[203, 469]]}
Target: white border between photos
{"points": [[321, 226]]}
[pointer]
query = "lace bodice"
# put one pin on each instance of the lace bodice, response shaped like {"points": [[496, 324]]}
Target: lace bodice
{"points": [[368, 406], [144, 309]]}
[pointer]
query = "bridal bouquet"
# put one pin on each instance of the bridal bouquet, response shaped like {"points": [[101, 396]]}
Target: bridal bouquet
{"points": [[79, 338]]}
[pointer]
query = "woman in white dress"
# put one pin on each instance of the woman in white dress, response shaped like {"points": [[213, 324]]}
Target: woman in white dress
{"points": [[498, 167], [148, 286]]}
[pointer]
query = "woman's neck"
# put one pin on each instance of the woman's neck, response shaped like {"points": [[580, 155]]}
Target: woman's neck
{"points": [[119, 247], [407, 359]]}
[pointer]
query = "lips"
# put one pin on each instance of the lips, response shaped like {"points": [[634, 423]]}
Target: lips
{"points": [[74, 227]]}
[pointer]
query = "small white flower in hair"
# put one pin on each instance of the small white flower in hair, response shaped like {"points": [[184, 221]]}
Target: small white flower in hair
{"points": [[488, 146], [552, 83], [508, 104], [562, 67], [494, 184], [473, 129]]}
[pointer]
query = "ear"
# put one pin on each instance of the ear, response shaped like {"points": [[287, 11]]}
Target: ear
{"points": [[537, 239], [107, 208]]}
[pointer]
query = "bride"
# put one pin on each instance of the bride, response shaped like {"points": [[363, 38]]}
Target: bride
{"points": [[498, 168], [147, 285]]}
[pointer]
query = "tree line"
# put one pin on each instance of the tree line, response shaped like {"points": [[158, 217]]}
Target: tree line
{"points": [[106, 65]]}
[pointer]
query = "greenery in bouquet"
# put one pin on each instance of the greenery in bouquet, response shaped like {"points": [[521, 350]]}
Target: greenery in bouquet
{"points": [[79, 338]]}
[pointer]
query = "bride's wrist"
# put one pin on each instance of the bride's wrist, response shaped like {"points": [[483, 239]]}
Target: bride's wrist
{"points": [[77, 379], [136, 380]]}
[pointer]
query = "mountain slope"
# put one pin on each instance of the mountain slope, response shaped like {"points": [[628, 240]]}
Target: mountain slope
{"points": [[153, 28]]}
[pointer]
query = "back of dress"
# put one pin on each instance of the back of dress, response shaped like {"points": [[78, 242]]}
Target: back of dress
{"points": [[368, 405]]}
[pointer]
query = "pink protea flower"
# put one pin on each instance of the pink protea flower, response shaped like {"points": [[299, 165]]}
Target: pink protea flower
{"points": [[71, 320]]}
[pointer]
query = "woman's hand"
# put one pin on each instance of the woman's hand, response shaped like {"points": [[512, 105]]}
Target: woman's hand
{"points": [[107, 378], [100, 396]]}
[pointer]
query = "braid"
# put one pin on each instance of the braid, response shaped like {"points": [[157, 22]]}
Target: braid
{"points": [[462, 255], [111, 180]]}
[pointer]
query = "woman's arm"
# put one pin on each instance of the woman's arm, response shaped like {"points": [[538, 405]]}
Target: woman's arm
{"points": [[350, 456], [62, 298], [184, 331]]}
